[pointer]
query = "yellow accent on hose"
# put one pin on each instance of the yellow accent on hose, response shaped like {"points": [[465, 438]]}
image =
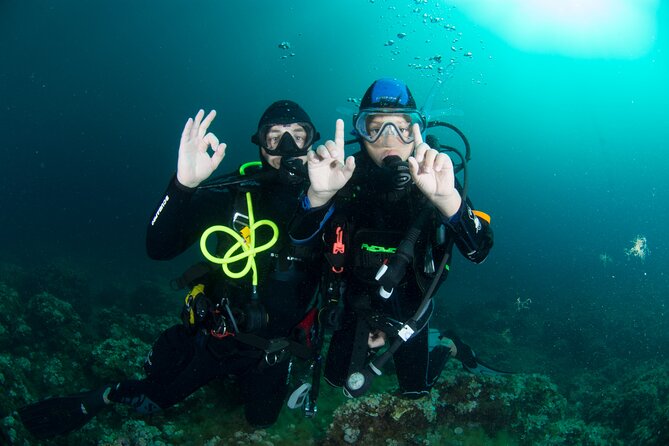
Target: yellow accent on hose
{"points": [[482, 215], [242, 249]]}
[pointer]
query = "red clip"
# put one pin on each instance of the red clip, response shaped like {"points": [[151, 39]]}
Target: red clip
{"points": [[338, 247], [219, 335], [221, 331]]}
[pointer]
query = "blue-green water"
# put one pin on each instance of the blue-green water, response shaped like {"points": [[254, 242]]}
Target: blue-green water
{"points": [[569, 152]]}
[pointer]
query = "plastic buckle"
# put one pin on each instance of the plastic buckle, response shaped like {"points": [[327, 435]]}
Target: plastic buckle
{"points": [[240, 221], [310, 409], [405, 332], [339, 247], [276, 352], [272, 358]]}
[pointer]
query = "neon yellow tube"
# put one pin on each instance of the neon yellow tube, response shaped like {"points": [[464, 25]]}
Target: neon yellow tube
{"points": [[241, 249]]}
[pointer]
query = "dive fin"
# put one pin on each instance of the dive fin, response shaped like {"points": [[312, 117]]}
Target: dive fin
{"points": [[469, 360], [60, 415], [299, 396], [485, 370]]}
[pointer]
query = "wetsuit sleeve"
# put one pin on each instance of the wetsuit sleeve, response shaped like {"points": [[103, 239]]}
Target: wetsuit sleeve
{"points": [[473, 235], [179, 219]]}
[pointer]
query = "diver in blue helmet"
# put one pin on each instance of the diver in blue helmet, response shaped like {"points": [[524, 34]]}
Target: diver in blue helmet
{"points": [[249, 326], [390, 216]]}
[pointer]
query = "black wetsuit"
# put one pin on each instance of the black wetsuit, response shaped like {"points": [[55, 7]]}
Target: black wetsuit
{"points": [[186, 358], [375, 219]]}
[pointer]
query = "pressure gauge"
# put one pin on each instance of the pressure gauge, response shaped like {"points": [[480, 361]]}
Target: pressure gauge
{"points": [[355, 381]]}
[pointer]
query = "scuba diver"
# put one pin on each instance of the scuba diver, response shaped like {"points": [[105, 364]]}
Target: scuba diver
{"points": [[390, 215], [248, 311]]}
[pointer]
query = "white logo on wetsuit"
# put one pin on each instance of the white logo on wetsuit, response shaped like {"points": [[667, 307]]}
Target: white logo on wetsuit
{"points": [[160, 209]]}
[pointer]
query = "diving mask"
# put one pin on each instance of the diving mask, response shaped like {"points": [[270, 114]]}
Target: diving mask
{"points": [[286, 139], [371, 124]]}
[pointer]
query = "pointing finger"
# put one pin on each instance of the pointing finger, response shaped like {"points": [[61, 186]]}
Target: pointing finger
{"points": [[418, 138], [413, 167], [339, 133]]}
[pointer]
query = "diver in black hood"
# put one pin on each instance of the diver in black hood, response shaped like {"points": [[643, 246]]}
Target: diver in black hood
{"points": [[248, 309], [390, 215]]}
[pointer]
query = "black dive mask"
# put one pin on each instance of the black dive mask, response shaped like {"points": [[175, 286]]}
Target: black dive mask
{"points": [[396, 173], [287, 147], [292, 170]]}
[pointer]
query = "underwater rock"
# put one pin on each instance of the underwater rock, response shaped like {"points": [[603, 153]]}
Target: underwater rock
{"points": [[115, 359], [63, 279], [638, 404], [465, 409], [372, 419], [13, 328], [54, 323], [13, 372], [116, 324], [135, 433]]}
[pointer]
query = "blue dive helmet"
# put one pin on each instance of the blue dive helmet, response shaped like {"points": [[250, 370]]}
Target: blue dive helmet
{"points": [[387, 96]]}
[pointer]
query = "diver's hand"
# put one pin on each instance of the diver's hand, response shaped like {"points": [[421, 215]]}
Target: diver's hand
{"points": [[376, 339], [328, 171], [195, 165], [433, 174]]}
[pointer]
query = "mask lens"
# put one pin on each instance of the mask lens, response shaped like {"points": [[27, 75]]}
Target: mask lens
{"points": [[371, 125], [270, 135]]}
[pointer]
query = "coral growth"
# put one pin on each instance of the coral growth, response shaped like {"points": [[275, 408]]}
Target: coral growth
{"points": [[59, 336], [466, 409]]}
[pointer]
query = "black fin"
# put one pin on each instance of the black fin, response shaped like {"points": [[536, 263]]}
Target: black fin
{"points": [[61, 415], [485, 370], [470, 361]]}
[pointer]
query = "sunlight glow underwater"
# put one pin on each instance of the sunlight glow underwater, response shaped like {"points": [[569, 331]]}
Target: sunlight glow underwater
{"points": [[621, 29]]}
